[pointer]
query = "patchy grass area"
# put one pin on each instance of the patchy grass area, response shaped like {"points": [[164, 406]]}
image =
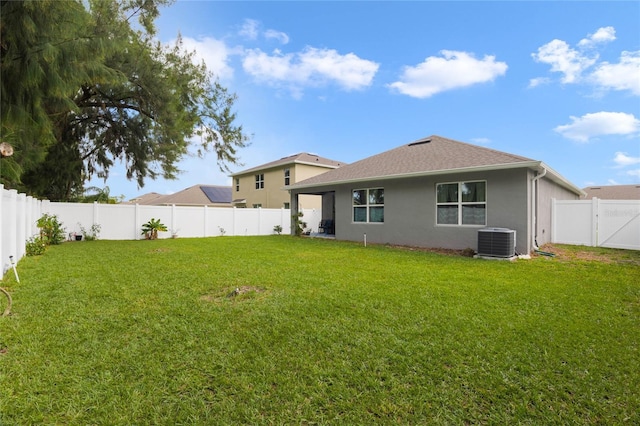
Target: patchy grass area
{"points": [[283, 330]]}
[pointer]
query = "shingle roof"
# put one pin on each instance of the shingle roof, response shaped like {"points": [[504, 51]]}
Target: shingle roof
{"points": [[302, 158], [197, 195], [144, 199], [613, 192], [429, 155]]}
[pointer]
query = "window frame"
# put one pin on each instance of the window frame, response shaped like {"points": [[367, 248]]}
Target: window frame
{"points": [[367, 206], [287, 177], [460, 203], [237, 184], [259, 181]]}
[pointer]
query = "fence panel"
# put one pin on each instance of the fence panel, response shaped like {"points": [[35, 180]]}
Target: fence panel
{"points": [[124, 221], [597, 223], [619, 224], [19, 214], [117, 222]]}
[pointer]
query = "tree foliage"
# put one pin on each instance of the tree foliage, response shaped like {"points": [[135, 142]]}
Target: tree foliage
{"points": [[86, 84]]}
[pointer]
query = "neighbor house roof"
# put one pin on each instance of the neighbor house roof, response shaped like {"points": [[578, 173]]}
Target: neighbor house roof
{"points": [[302, 158], [197, 195], [613, 192], [144, 199], [432, 155]]}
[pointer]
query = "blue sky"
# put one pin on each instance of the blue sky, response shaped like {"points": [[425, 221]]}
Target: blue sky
{"points": [[552, 81]]}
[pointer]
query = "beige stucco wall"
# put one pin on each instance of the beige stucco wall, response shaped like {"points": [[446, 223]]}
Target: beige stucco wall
{"points": [[274, 194]]}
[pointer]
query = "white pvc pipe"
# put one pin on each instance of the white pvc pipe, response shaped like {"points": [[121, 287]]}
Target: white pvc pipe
{"points": [[15, 271], [365, 239]]}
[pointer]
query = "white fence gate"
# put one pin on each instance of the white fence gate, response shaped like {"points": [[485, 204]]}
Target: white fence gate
{"points": [[596, 223]]}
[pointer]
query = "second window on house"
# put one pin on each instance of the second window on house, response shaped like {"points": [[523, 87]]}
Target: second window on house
{"points": [[462, 203], [260, 181], [368, 205]]}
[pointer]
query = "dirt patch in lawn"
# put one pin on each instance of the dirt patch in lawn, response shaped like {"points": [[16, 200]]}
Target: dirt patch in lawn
{"points": [[244, 292], [590, 254]]}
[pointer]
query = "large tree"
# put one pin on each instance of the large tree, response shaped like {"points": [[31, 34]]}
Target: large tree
{"points": [[85, 84]]}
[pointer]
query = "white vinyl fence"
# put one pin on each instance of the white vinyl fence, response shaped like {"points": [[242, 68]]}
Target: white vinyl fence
{"points": [[596, 223], [18, 216], [124, 221], [604, 223]]}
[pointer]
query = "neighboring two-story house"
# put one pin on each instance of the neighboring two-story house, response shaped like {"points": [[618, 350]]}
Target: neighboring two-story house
{"points": [[267, 185]]}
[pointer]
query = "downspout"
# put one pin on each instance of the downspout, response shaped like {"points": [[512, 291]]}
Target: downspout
{"points": [[534, 219]]}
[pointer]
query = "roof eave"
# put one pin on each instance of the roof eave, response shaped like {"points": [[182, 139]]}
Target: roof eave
{"points": [[558, 178], [505, 166], [280, 165]]}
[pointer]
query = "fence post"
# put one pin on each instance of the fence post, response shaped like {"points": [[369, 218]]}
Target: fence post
{"points": [[594, 222], [12, 220], [206, 221], [3, 221], [233, 220], [21, 217], [173, 219], [96, 215], [136, 220], [554, 220]]}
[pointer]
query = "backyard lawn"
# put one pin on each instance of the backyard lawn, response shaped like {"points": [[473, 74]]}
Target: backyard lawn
{"points": [[285, 330]]}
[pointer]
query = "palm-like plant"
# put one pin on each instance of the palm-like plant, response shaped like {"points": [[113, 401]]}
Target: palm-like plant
{"points": [[151, 228]]}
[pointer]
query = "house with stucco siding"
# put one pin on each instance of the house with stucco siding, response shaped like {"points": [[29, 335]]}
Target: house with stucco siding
{"points": [[438, 192]]}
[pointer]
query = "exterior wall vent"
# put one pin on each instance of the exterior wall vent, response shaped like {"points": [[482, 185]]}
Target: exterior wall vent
{"points": [[422, 142], [497, 242]]}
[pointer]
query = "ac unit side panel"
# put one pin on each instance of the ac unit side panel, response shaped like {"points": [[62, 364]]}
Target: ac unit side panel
{"points": [[497, 242]]}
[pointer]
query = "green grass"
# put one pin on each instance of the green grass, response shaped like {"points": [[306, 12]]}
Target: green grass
{"points": [[144, 332]]}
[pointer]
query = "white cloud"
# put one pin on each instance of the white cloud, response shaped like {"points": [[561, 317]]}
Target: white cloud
{"points": [[583, 128], [581, 65], [563, 59], [602, 35], [311, 67], [451, 71], [624, 75], [214, 53], [634, 173], [539, 81], [623, 160], [283, 38], [249, 29]]}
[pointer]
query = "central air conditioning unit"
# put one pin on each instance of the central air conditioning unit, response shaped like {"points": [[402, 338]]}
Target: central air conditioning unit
{"points": [[497, 242]]}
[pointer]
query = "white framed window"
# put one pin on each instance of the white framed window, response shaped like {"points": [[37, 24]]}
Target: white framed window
{"points": [[237, 184], [368, 205], [461, 203], [260, 181], [286, 205], [287, 177], [257, 206]]}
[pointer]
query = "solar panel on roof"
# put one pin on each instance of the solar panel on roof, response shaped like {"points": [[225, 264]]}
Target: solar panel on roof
{"points": [[217, 194]]}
